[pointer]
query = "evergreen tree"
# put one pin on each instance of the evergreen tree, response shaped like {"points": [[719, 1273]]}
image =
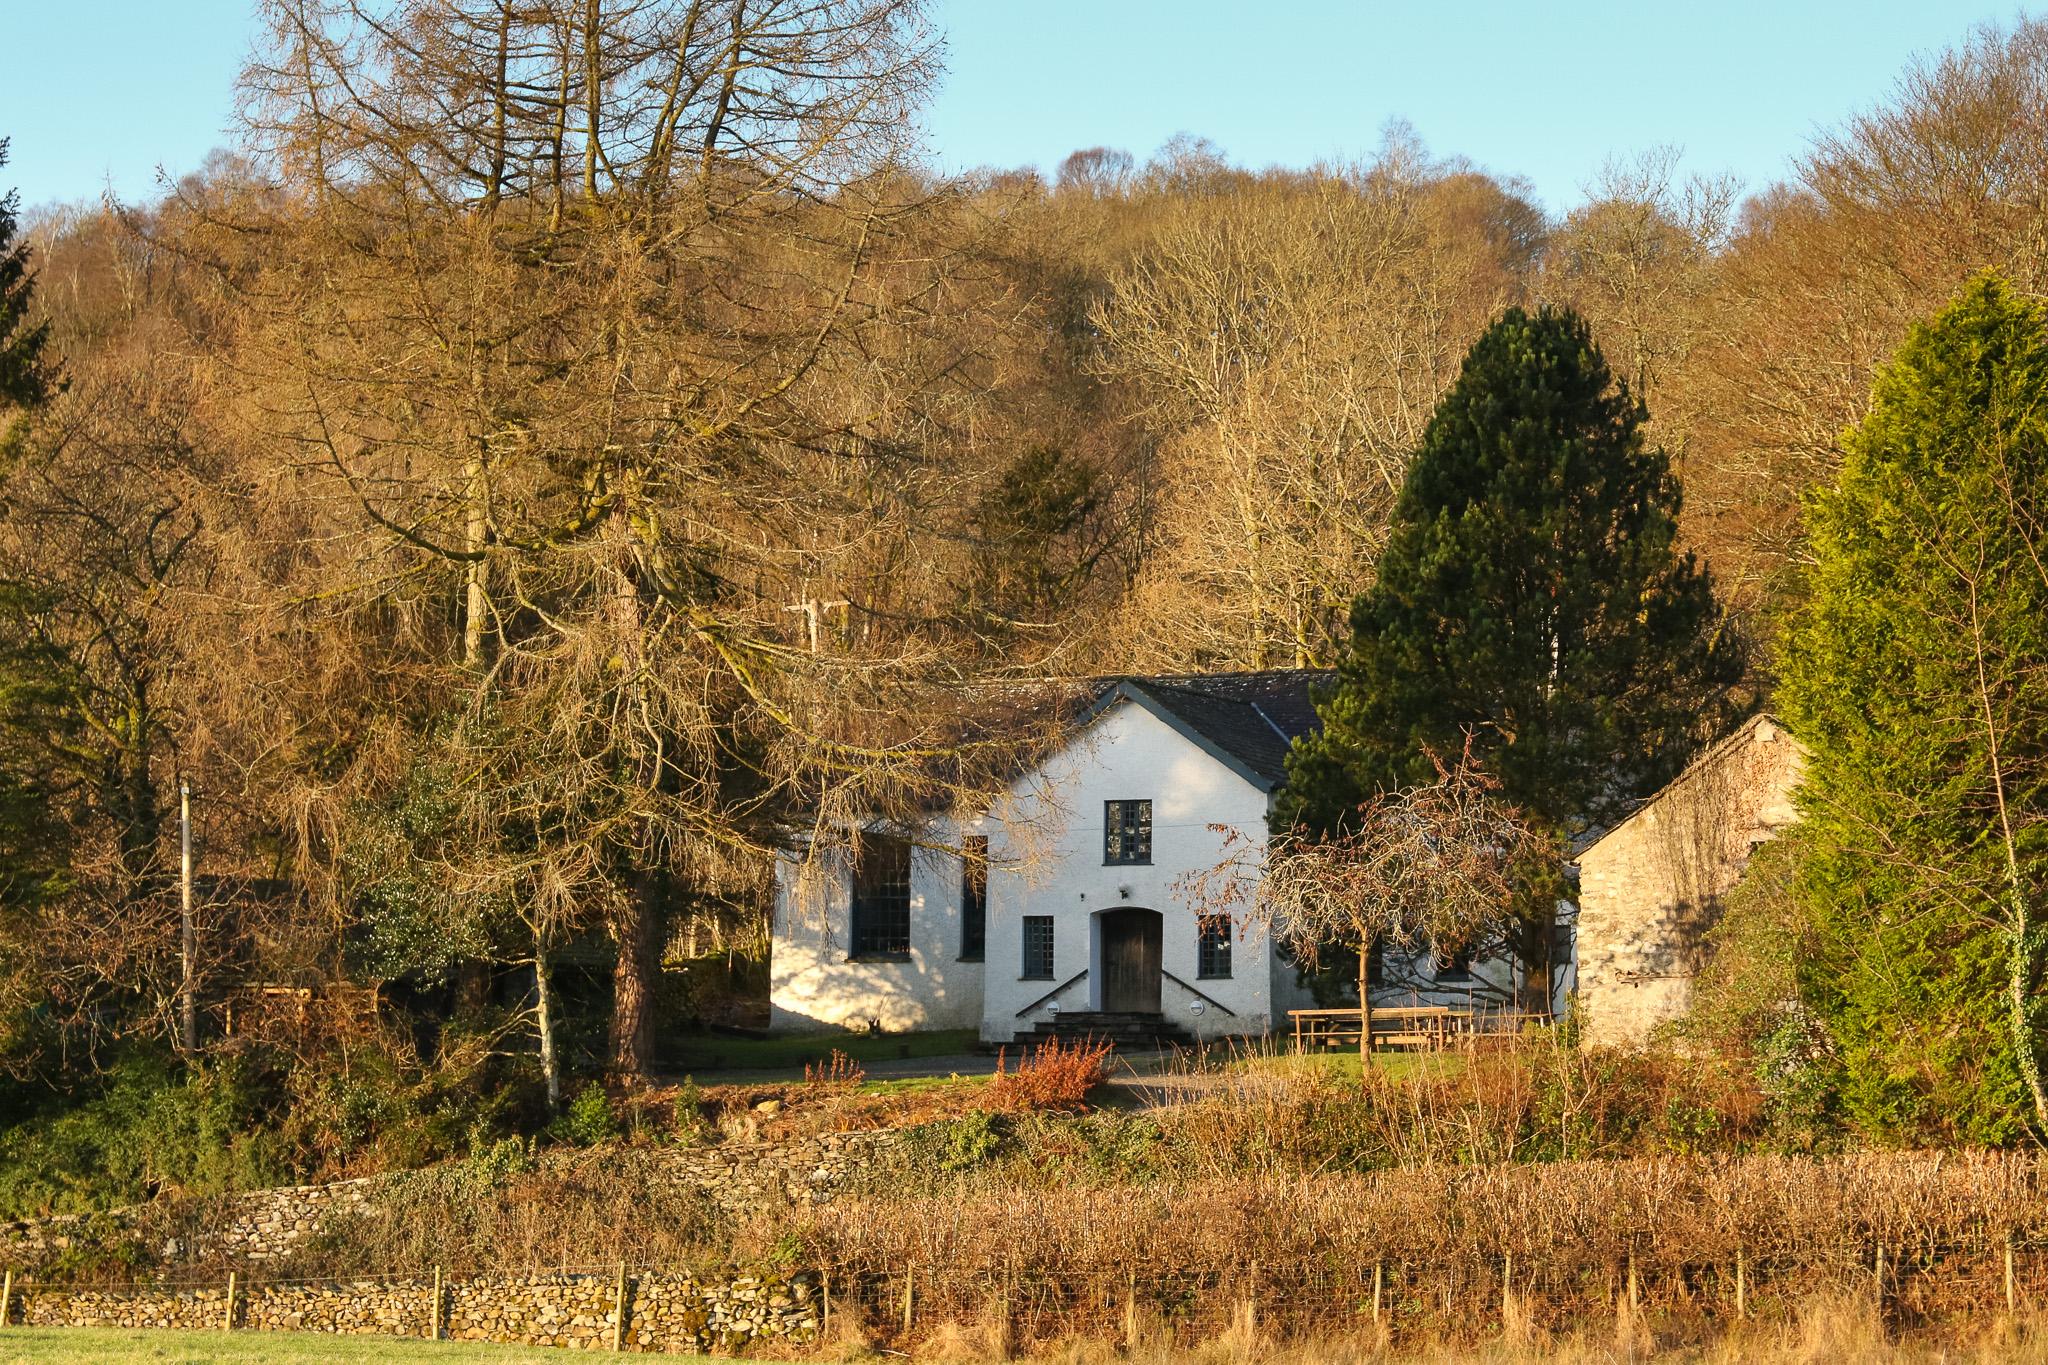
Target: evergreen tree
{"points": [[32, 839], [1917, 673], [23, 381], [28, 836], [1030, 536], [1533, 594]]}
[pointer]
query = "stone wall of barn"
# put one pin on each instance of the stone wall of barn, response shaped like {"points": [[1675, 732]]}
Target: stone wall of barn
{"points": [[1651, 888]]}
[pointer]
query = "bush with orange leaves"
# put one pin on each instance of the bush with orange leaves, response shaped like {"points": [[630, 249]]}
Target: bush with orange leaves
{"points": [[1056, 1076]]}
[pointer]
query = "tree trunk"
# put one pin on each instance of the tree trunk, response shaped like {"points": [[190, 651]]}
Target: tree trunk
{"points": [[2018, 923], [544, 1024], [129, 793], [637, 932], [2022, 966], [1536, 947], [476, 572], [1364, 1004], [637, 923]]}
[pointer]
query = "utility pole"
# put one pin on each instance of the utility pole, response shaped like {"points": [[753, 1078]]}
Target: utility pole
{"points": [[189, 1009], [812, 608]]}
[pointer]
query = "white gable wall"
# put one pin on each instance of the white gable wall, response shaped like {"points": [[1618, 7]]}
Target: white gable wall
{"points": [[1045, 843], [813, 985]]}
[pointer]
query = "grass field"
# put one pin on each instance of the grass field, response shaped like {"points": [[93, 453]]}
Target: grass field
{"points": [[1393, 1065], [123, 1346], [1827, 1332]]}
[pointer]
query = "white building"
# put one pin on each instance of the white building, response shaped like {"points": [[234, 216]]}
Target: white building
{"points": [[1080, 905]]}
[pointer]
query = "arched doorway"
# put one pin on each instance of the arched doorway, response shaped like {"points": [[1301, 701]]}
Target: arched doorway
{"points": [[1130, 945]]}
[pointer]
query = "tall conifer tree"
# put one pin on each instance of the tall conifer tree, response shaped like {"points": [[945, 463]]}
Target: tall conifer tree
{"points": [[1533, 594], [23, 381], [1917, 674]]}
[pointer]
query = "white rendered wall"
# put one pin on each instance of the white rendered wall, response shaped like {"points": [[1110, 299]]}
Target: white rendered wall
{"points": [[1045, 846], [813, 986]]}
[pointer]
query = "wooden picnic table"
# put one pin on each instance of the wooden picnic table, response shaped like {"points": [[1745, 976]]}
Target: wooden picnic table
{"points": [[1405, 1027]]}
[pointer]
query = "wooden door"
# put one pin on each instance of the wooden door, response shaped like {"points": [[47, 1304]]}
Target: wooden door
{"points": [[1130, 961]]}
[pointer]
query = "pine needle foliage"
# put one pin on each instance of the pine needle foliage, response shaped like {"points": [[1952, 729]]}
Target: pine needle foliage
{"points": [[1533, 594], [1917, 673]]}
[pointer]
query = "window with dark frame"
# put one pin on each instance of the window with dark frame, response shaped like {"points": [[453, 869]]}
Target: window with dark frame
{"points": [[1454, 965], [1376, 965], [1037, 948], [974, 898], [881, 898], [1212, 947], [1126, 832]]}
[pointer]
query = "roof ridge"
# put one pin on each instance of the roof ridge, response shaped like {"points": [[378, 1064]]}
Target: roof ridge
{"points": [[1271, 724], [1694, 766]]}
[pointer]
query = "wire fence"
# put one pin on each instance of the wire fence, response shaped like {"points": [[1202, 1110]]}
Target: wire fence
{"points": [[1913, 1282]]}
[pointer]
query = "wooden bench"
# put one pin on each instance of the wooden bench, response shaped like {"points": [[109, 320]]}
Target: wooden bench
{"points": [[1410, 1028]]}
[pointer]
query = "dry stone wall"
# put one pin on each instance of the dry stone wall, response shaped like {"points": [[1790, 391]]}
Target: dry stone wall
{"points": [[662, 1312], [32, 1241], [268, 1225]]}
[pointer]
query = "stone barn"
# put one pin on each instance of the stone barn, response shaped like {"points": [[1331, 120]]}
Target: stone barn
{"points": [[1650, 888]]}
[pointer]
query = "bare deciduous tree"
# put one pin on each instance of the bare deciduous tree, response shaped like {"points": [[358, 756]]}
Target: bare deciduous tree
{"points": [[1433, 864]]}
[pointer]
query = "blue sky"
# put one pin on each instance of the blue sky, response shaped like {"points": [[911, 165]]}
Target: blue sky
{"points": [[99, 92]]}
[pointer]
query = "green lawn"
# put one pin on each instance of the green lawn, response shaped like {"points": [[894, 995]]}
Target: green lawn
{"points": [[1398, 1065], [914, 1085], [120, 1346], [695, 1056]]}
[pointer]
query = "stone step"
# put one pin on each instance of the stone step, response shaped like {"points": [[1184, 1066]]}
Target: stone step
{"points": [[1125, 1033]]}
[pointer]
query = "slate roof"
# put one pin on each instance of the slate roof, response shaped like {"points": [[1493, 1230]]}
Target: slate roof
{"points": [[1248, 720]]}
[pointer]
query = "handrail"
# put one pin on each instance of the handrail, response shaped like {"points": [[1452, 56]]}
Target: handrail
{"points": [[1051, 993], [1200, 995]]}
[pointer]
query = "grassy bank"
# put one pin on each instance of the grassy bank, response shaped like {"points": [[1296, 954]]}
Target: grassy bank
{"points": [[710, 1053]]}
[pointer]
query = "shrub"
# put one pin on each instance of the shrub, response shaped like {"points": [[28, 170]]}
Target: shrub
{"points": [[690, 1123], [948, 1147], [588, 1120], [1058, 1075], [970, 1141], [147, 1128]]}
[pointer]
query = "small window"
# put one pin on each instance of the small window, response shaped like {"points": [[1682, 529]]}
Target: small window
{"points": [[1212, 947], [1127, 832], [1454, 965], [974, 898], [1038, 947], [881, 898], [1376, 965]]}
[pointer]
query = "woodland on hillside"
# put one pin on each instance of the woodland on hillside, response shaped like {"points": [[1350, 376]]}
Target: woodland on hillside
{"points": [[565, 448]]}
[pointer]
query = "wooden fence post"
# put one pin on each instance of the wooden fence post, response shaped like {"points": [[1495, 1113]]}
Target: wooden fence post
{"points": [[909, 1295], [824, 1304], [227, 1314], [1131, 1312], [1741, 1291], [1378, 1276], [6, 1296], [1507, 1290], [1635, 1292], [1002, 1341], [434, 1311], [2012, 1295], [619, 1311]]}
